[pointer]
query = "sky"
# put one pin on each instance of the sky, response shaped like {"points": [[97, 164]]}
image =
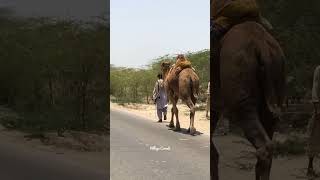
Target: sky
{"points": [[142, 30], [76, 9]]}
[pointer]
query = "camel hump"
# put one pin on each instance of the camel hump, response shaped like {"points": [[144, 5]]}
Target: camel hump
{"points": [[184, 64], [252, 28]]}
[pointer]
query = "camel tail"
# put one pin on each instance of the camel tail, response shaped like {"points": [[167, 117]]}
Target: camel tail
{"points": [[194, 87], [274, 79]]}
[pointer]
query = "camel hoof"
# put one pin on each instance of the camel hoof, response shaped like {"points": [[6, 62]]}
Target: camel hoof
{"points": [[193, 131], [311, 173], [177, 129], [171, 125]]}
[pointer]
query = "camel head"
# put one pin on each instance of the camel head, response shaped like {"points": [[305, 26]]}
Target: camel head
{"points": [[182, 60], [165, 67], [180, 57]]}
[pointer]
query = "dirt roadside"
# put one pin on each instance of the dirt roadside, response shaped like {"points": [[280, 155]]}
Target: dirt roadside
{"points": [[84, 148], [61, 148], [237, 161], [202, 124]]}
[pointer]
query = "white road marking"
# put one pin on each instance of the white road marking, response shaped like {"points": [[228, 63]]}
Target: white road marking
{"points": [[161, 148]]}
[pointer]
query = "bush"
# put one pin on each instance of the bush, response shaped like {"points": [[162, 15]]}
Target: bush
{"points": [[291, 146], [54, 73]]}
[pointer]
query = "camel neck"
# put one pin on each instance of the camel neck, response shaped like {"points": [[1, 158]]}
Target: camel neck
{"points": [[165, 74]]}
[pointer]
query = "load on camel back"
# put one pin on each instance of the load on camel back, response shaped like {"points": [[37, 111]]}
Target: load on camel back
{"points": [[227, 13], [248, 76], [181, 82], [181, 64]]}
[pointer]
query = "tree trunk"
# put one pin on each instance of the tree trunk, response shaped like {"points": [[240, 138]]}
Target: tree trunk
{"points": [[147, 99], [78, 103], [51, 91], [84, 85], [83, 105], [147, 92]]}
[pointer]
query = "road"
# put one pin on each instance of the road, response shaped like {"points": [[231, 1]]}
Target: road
{"points": [[237, 161], [142, 150], [22, 162]]}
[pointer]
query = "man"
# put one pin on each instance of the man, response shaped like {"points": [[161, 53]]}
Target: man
{"points": [[314, 124], [226, 13], [160, 98], [208, 101]]}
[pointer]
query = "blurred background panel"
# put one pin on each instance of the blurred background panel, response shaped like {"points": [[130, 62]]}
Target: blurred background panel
{"points": [[54, 80]]}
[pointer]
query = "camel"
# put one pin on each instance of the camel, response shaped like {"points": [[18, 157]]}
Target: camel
{"points": [[185, 87], [249, 83]]}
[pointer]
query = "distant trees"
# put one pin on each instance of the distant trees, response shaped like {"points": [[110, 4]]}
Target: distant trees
{"points": [[296, 26], [131, 85], [136, 85], [54, 73]]}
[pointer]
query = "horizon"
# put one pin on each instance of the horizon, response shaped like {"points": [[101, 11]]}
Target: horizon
{"points": [[155, 59]]}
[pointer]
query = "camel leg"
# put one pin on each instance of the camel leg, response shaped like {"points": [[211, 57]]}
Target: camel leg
{"points": [[175, 112], [215, 162], [171, 124], [177, 119], [188, 131], [264, 162], [192, 114], [310, 171], [259, 138], [214, 154], [269, 122]]}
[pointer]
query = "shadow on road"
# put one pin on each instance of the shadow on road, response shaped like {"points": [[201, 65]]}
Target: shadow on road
{"points": [[185, 131], [163, 122]]}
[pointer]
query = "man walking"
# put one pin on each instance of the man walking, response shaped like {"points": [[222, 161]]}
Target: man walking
{"points": [[314, 124], [160, 99], [208, 101]]}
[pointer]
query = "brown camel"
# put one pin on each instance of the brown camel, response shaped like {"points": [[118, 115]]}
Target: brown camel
{"points": [[184, 86], [249, 83]]}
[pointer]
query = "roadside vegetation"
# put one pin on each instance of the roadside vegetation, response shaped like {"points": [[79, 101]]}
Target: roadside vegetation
{"points": [[135, 85], [296, 26], [53, 74]]}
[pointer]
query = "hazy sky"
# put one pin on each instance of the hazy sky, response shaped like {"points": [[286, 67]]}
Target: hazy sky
{"points": [[142, 30], [78, 9]]}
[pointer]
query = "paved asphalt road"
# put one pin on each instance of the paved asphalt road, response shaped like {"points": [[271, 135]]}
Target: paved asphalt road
{"points": [[145, 150], [20, 162]]}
